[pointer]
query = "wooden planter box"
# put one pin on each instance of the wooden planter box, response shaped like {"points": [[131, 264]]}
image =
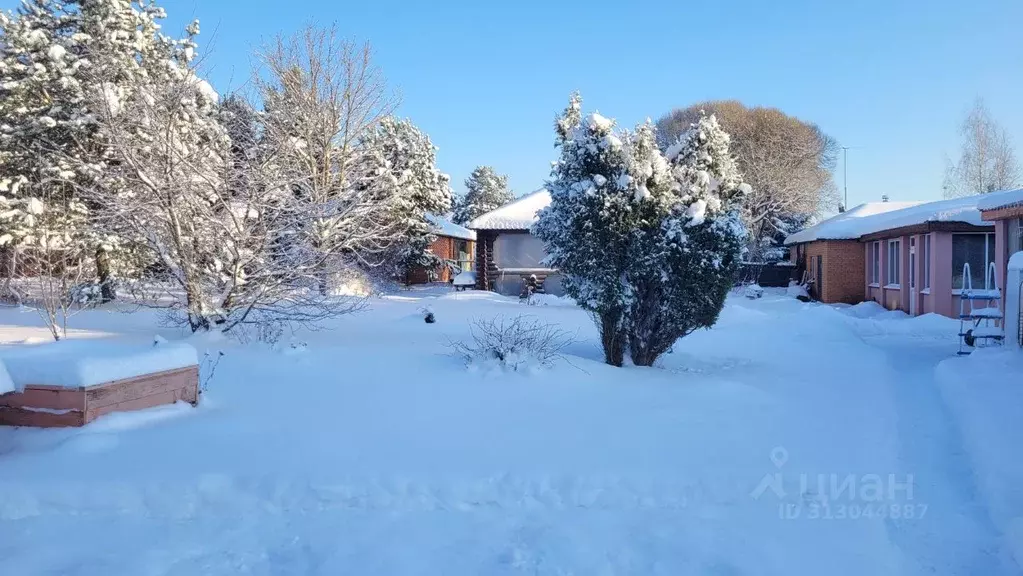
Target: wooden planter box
{"points": [[53, 406]]}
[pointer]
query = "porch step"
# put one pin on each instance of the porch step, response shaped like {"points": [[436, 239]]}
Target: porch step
{"points": [[978, 336], [980, 295], [982, 313]]}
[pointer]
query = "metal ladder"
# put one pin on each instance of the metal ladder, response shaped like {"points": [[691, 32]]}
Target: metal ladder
{"points": [[979, 326]]}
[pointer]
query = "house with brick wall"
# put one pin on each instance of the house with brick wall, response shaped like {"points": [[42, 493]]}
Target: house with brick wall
{"points": [[910, 258], [456, 247], [831, 256]]}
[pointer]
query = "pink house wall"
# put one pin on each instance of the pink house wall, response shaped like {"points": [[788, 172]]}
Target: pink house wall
{"points": [[1002, 255], [938, 299]]}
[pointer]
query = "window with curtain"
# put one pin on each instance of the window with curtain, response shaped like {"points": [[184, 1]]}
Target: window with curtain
{"points": [[977, 250], [893, 262], [927, 262]]}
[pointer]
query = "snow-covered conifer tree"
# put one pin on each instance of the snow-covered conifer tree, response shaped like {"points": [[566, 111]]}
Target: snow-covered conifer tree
{"points": [[586, 226], [485, 190], [408, 165], [61, 66], [648, 242], [687, 246]]}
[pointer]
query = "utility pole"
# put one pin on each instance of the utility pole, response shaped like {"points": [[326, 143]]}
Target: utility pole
{"points": [[845, 174]]}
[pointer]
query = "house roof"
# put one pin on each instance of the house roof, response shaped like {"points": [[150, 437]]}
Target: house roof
{"points": [[998, 200], [516, 215], [445, 227], [876, 217], [846, 225]]}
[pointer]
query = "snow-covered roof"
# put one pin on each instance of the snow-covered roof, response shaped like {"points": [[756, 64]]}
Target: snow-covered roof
{"points": [[996, 200], [445, 227], [845, 225], [516, 215], [880, 216]]}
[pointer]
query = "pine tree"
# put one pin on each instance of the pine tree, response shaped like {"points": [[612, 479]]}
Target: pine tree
{"points": [[62, 67], [485, 190], [407, 164]]}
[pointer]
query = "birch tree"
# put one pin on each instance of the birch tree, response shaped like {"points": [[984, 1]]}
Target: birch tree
{"points": [[987, 162]]}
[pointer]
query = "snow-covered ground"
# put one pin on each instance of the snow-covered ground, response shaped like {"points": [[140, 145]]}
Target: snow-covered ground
{"points": [[783, 441]]}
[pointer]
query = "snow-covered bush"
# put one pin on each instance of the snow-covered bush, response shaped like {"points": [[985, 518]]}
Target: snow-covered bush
{"points": [[512, 343], [648, 241]]}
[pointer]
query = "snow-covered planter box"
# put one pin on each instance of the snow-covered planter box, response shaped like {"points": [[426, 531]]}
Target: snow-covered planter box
{"points": [[73, 383]]}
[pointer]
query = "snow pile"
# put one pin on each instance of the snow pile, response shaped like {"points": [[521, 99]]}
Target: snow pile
{"points": [[444, 227], [796, 290], [536, 299], [517, 215], [80, 363], [754, 291], [996, 200], [6, 382], [984, 396]]}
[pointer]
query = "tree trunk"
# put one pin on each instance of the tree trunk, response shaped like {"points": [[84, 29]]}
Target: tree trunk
{"points": [[612, 337], [106, 285], [647, 330], [324, 277]]}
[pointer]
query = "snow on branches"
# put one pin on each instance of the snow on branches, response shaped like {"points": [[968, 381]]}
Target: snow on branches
{"points": [[485, 190], [647, 240], [404, 162]]}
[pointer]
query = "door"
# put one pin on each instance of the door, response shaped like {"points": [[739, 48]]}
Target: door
{"points": [[819, 281], [912, 276]]}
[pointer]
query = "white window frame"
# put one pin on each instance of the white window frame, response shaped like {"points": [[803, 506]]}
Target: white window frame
{"points": [[894, 264], [989, 239], [927, 264], [875, 263]]}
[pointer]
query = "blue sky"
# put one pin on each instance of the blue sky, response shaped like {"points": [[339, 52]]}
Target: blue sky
{"points": [[485, 79]]}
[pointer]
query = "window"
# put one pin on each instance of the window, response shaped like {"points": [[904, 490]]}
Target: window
{"points": [[461, 254], [893, 263], [912, 262], [875, 263], [516, 250], [977, 250], [927, 262], [1015, 235]]}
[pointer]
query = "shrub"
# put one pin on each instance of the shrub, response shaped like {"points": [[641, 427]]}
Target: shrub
{"points": [[513, 343]]}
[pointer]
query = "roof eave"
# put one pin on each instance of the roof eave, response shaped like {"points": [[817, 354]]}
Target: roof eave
{"points": [[926, 228], [1002, 212]]}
